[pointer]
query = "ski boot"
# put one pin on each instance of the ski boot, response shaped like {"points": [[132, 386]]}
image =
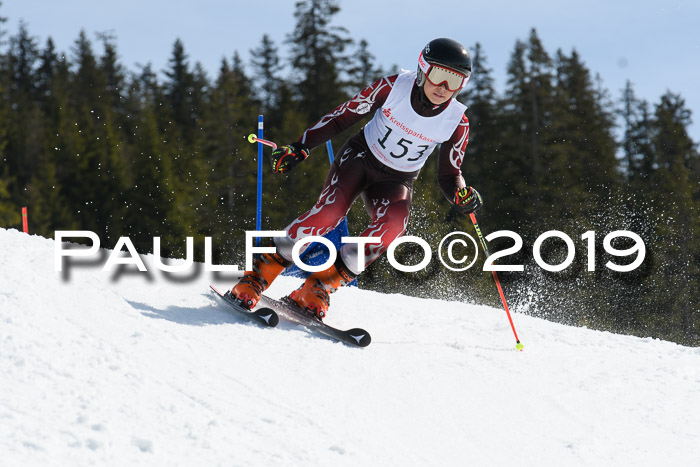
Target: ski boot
{"points": [[266, 268], [313, 296]]}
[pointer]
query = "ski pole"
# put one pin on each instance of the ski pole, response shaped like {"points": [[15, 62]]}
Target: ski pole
{"points": [[254, 139], [518, 345]]}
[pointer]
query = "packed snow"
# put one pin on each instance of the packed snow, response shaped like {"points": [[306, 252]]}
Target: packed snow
{"points": [[149, 368]]}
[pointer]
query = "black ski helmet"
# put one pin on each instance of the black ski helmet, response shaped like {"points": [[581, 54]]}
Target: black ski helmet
{"points": [[448, 53]]}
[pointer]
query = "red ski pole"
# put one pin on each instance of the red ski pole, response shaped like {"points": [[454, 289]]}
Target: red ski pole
{"points": [[518, 345]]}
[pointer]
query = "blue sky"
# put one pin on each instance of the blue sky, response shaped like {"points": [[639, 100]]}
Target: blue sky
{"points": [[656, 46]]}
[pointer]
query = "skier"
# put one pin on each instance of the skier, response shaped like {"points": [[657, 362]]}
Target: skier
{"points": [[413, 112]]}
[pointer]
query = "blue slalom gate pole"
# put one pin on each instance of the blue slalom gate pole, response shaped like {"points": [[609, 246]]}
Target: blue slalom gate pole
{"points": [[329, 148], [258, 218]]}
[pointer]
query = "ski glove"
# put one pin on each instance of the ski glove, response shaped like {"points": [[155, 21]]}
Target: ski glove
{"points": [[286, 157], [467, 200]]}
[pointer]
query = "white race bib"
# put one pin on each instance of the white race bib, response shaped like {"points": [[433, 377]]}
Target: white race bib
{"points": [[401, 138]]}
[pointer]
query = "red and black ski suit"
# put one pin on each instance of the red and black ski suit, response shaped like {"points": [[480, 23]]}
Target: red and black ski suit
{"points": [[356, 171]]}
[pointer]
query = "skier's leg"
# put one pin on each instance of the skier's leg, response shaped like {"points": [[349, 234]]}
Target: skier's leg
{"points": [[389, 204], [343, 184]]}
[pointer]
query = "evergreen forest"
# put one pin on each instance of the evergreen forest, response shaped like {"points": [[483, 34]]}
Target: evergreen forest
{"points": [[87, 144]]}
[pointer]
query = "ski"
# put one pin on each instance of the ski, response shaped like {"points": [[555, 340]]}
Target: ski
{"points": [[290, 310], [264, 316]]}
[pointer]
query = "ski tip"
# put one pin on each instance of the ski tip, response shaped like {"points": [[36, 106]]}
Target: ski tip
{"points": [[360, 336]]}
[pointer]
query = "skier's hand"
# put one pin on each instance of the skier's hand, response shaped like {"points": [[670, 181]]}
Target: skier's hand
{"points": [[286, 157], [467, 200]]}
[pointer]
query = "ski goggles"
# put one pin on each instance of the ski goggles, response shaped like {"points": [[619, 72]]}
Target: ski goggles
{"points": [[439, 75]]}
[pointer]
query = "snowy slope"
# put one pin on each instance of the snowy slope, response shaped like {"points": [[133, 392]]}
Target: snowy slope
{"points": [[101, 368]]}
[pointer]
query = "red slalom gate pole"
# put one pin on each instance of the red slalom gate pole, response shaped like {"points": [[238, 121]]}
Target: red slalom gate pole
{"points": [[518, 345], [25, 225]]}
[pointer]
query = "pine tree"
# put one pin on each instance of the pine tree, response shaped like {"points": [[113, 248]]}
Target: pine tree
{"points": [[99, 172], [582, 132], [184, 92], [22, 150], [637, 147], [9, 217], [363, 69], [527, 106], [319, 67], [483, 167], [636, 208], [9, 211], [150, 200], [46, 72], [114, 76], [229, 204], [584, 166], [675, 246], [266, 68], [55, 86], [178, 88], [317, 56], [49, 207]]}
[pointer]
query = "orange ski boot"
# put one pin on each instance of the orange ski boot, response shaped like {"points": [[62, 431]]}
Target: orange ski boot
{"points": [[313, 295], [266, 268]]}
